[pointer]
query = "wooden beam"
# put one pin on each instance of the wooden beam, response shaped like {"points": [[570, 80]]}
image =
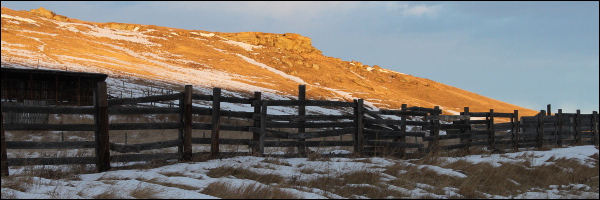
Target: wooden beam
{"points": [[4, 152], [257, 109], [216, 113], [187, 120], [102, 135], [301, 113]]}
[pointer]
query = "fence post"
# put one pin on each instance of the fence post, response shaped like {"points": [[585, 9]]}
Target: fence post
{"points": [[263, 128], [595, 127], [182, 127], [434, 131], [4, 152], [102, 136], [359, 135], [403, 129], [559, 125], [491, 130], [467, 122], [301, 113], [515, 130], [578, 128], [257, 109], [540, 129], [187, 123], [216, 126]]}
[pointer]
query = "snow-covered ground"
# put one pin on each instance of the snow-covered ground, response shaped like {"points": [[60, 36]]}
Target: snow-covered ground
{"points": [[194, 175]]}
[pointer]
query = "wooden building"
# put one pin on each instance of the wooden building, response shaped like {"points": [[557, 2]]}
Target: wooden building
{"points": [[50, 87]]}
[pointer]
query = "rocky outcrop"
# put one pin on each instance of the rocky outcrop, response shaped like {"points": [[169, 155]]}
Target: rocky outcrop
{"points": [[121, 26], [42, 12], [288, 41]]}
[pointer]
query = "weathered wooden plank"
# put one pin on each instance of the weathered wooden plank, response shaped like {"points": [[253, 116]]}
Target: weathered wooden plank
{"points": [[143, 111], [395, 122], [50, 145], [310, 125], [201, 126], [309, 103], [166, 97], [273, 133], [528, 120], [240, 114], [201, 111], [50, 127], [296, 118], [221, 141], [237, 100], [433, 111], [320, 134], [144, 157], [298, 143], [398, 112], [393, 144], [505, 115], [225, 127], [48, 109], [145, 126], [479, 132], [50, 161], [479, 114], [122, 148], [447, 117], [391, 133]]}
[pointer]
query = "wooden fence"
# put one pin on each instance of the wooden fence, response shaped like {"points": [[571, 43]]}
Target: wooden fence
{"points": [[367, 132]]}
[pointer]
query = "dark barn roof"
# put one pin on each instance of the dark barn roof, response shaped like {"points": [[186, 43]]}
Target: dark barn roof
{"points": [[52, 86]]}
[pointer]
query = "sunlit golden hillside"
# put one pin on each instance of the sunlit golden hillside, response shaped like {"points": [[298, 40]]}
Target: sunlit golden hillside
{"points": [[240, 62]]}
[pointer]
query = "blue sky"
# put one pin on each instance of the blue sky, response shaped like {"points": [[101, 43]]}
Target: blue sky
{"points": [[527, 53]]}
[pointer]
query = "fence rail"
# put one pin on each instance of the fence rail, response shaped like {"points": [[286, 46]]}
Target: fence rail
{"points": [[368, 132]]}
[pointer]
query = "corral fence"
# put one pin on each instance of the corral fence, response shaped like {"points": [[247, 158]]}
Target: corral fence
{"points": [[409, 130]]}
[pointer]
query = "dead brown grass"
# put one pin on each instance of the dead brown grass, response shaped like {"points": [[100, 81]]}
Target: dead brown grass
{"points": [[242, 173], [170, 184], [358, 184], [226, 190], [110, 193], [144, 192]]}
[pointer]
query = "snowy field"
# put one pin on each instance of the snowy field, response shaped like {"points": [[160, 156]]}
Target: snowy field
{"points": [[188, 180]]}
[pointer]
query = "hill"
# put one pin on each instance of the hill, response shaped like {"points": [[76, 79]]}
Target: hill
{"points": [[239, 63]]}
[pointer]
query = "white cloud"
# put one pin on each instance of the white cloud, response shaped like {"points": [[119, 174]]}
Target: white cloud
{"points": [[272, 9], [413, 10]]}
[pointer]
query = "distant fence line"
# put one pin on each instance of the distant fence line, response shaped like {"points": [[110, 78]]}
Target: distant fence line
{"points": [[370, 132]]}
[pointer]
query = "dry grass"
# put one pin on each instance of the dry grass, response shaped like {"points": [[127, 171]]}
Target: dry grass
{"points": [[110, 193], [358, 184], [144, 192], [242, 173], [277, 161], [169, 184], [510, 179], [226, 190]]}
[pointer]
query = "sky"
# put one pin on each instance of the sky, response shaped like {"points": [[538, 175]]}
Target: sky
{"points": [[529, 53], [193, 176]]}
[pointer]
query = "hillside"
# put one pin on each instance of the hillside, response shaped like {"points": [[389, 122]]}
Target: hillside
{"points": [[239, 63]]}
